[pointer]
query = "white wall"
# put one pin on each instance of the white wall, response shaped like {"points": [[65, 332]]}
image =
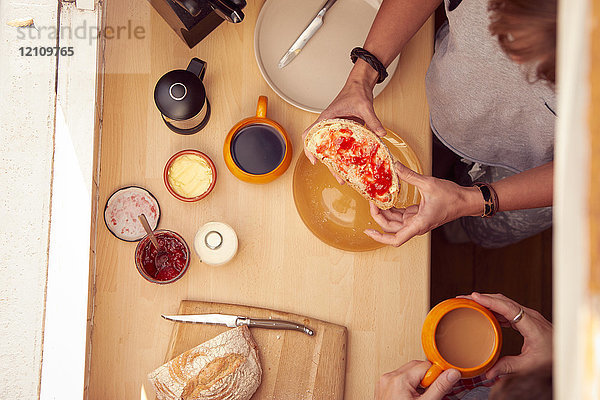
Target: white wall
{"points": [[27, 87], [63, 369], [46, 110]]}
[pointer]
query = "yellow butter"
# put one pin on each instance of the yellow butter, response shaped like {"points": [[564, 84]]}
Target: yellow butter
{"points": [[190, 175]]}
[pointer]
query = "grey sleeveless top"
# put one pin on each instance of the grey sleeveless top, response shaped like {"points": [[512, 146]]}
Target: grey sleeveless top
{"points": [[482, 105]]}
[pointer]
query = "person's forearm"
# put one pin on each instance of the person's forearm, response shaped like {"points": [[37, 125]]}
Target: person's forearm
{"points": [[529, 189], [395, 24]]}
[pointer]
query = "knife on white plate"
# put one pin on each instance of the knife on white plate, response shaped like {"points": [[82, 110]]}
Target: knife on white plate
{"points": [[234, 321], [305, 36]]}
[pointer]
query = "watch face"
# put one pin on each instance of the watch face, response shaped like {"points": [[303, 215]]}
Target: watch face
{"points": [[490, 198]]}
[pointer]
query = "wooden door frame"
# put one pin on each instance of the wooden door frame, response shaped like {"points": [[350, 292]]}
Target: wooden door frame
{"points": [[576, 205]]}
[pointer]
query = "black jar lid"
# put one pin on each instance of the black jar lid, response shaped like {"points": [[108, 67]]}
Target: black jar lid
{"points": [[179, 95]]}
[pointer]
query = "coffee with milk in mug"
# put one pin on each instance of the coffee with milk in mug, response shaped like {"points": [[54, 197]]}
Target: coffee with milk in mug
{"points": [[465, 338]]}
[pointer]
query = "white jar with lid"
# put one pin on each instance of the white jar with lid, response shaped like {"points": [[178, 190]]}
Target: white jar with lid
{"points": [[216, 243]]}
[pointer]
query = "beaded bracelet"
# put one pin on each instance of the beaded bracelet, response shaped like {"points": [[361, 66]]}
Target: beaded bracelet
{"points": [[359, 52], [490, 199]]}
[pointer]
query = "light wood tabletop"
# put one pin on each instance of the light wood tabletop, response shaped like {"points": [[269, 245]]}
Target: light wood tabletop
{"points": [[381, 296]]}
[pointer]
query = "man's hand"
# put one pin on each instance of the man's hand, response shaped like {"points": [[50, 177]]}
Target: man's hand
{"points": [[402, 383]]}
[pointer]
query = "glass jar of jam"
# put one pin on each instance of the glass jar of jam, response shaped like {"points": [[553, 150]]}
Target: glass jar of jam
{"points": [[172, 261]]}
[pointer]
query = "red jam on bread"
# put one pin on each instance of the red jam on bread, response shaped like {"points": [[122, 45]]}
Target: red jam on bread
{"points": [[358, 156]]}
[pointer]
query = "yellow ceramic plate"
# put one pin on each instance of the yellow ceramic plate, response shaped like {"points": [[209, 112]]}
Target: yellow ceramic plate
{"points": [[336, 213]]}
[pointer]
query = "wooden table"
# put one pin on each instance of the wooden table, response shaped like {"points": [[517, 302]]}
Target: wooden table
{"points": [[381, 296]]}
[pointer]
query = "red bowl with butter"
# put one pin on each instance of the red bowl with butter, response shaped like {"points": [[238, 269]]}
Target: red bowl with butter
{"points": [[174, 261], [190, 175]]}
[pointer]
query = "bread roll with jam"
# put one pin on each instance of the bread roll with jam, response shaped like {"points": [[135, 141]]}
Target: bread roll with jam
{"points": [[358, 156], [225, 367]]}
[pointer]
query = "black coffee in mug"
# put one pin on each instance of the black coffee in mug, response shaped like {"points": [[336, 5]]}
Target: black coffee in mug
{"points": [[257, 149]]}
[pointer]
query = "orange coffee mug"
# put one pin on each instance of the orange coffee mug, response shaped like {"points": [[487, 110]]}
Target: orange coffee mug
{"points": [[257, 149], [460, 334]]}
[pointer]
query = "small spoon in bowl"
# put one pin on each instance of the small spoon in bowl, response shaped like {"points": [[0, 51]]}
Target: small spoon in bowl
{"points": [[161, 256]]}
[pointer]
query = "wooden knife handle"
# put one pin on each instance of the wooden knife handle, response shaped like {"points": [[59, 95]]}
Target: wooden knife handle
{"points": [[275, 324]]}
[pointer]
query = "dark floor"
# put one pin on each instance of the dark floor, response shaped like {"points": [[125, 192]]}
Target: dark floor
{"points": [[522, 272]]}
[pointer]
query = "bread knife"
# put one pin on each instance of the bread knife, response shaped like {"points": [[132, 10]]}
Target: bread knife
{"points": [[234, 321], [305, 36]]}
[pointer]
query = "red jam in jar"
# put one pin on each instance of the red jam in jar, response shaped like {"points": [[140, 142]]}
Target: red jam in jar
{"points": [[170, 264]]}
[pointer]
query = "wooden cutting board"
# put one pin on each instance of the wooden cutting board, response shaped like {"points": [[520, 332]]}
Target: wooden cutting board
{"points": [[295, 365]]}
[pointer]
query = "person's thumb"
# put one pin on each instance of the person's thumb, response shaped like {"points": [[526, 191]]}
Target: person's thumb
{"points": [[442, 385], [408, 175], [374, 124], [506, 365]]}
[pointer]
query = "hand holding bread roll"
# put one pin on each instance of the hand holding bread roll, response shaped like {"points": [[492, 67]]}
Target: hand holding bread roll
{"points": [[358, 156], [441, 201]]}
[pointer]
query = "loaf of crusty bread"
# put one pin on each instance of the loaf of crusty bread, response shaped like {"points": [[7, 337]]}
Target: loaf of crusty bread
{"points": [[225, 367], [358, 156]]}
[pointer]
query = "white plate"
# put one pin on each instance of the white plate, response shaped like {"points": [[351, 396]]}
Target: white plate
{"points": [[313, 79]]}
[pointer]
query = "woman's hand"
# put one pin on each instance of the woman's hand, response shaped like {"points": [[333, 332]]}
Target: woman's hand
{"points": [[403, 382], [355, 101], [536, 331], [441, 201]]}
